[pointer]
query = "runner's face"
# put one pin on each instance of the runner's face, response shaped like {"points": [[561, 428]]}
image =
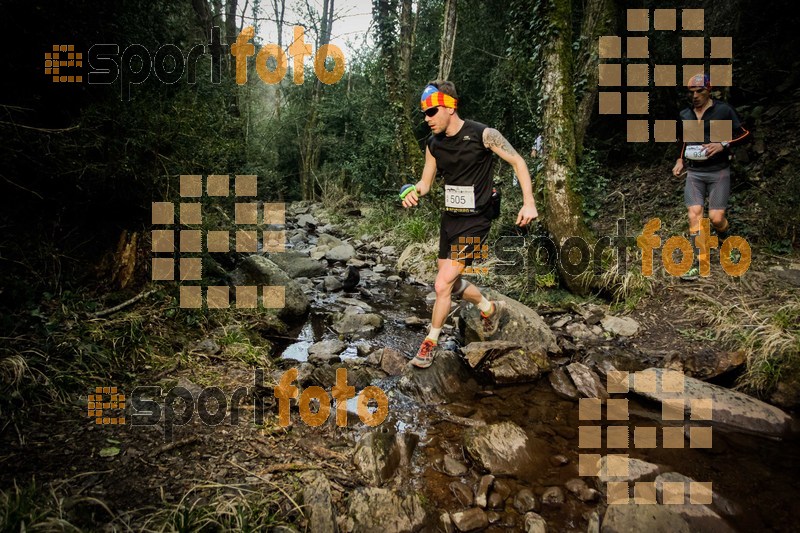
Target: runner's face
{"points": [[438, 122], [699, 96]]}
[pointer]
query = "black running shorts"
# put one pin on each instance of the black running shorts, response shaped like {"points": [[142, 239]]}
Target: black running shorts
{"points": [[463, 238]]}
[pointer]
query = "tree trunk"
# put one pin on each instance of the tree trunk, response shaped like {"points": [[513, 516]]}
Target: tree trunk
{"points": [[279, 8], [230, 31], [597, 20], [562, 204], [406, 160], [449, 22]]}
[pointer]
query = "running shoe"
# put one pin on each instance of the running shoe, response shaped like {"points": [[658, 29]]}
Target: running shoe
{"points": [[424, 357], [492, 321], [692, 274]]}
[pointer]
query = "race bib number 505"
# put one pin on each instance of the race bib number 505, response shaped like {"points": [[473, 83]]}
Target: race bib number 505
{"points": [[459, 197]]}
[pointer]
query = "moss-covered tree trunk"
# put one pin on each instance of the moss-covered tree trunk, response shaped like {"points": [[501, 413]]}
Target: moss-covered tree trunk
{"points": [[395, 46], [563, 217]]}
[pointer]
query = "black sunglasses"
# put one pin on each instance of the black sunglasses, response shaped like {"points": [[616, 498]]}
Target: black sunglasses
{"points": [[431, 111]]}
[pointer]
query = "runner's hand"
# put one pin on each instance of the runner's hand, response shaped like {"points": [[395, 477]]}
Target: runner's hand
{"points": [[411, 199], [526, 215], [677, 170], [713, 148]]}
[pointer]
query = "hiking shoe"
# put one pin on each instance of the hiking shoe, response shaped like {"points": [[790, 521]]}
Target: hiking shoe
{"points": [[424, 357], [492, 321], [692, 274]]}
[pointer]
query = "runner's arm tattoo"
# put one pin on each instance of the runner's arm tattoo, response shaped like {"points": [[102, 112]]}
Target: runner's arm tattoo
{"points": [[495, 141]]}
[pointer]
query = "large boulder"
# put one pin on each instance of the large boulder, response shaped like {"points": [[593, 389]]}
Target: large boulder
{"points": [[447, 379], [507, 362], [642, 517], [297, 265], [259, 271], [505, 449], [731, 409], [520, 324], [375, 509], [419, 260]]}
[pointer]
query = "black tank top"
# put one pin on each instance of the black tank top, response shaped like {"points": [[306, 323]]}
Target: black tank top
{"points": [[464, 160]]}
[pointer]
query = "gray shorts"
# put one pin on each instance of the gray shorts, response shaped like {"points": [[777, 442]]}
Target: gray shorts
{"points": [[717, 183]]}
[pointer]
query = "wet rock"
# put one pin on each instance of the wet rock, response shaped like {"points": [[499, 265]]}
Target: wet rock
{"points": [[258, 270], [503, 488], [561, 322], [787, 393], [525, 501], [579, 331], [592, 314], [534, 523], [388, 250], [355, 262], [731, 409], [520, 324], [297, 265], [470, 520], [481, 495], [718, 502], [326, 350], [586, 381], [377, 455], [317, 502], [610, 468], [306, 221], [553, 496], [581, 490], [566, 345], [707, 363], [446, 523], [413, 321], [559, 460], [504, 449], [620, 325], [363, 348], [374, 509], [319, 252], [332, 284], [493, 517], [354, 302], [394, 279], [343, 252], [507, 362], [447, 379], [379, 269], [298, 236], [362, 324], [350, 279], [328, 240], [462, 493], [392, 361], [453, 467], [642, 517], [562, 385], [495, 501]]}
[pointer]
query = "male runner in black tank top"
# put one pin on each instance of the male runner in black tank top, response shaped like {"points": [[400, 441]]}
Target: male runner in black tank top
{"points": [[462, 150]]}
